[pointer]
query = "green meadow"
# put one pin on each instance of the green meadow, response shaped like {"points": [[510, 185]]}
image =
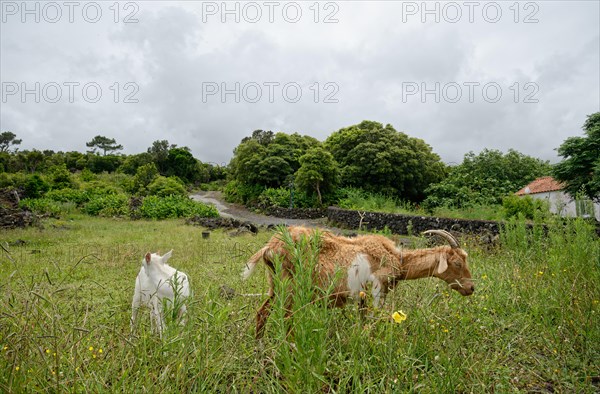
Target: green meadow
{"points": [[532, 325]]}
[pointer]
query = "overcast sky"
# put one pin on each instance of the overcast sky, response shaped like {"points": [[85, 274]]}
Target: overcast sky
{"points": [[462, 76]]}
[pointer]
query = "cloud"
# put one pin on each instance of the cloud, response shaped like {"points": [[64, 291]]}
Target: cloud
{"points": [[364, 63]]}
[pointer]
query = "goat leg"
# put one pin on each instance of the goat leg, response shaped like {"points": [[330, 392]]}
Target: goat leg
{"points": [[262, 315]]}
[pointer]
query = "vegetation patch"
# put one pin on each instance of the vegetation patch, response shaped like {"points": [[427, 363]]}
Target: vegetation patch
{"points": [[530, 326]]}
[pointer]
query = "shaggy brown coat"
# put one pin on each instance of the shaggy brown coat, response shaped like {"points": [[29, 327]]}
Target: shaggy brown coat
{"points": [[387, 264]]}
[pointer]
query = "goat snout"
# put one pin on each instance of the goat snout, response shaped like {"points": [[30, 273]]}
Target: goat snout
{"points": [[465, 289]]}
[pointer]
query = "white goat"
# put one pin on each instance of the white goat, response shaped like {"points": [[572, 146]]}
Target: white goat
{"points": [[158, 281]]}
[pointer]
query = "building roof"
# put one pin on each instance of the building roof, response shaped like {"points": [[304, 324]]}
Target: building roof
{"points": [[541, 185]]}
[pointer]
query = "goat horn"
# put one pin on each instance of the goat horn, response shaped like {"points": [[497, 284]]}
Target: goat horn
{"points": [[446, 235]]}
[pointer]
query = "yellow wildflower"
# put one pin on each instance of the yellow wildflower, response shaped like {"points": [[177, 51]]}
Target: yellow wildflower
{"points": [[399, 316], [100, 350], [47, 351], [91, 349], [362, 295], [17, 368]]}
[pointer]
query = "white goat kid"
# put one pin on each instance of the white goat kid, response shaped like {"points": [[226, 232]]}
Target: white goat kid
{"points": [[158, 283]]}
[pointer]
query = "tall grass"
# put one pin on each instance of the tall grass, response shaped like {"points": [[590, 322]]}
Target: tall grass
{"points": [[358, 199], [65, 305]]}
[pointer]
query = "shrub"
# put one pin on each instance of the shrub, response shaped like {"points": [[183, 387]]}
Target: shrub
{"points": [[60, 177], [107, 205], [75, 196], [87, 175], [35, 186], [280, 197], [351, 198], [528, 207], [99, 188], [143, 177], [154, 207], [46, 206], [16, 180], [242, 193], [162, 186]]}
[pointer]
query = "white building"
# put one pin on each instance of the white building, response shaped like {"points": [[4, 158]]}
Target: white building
{"points": [[561, 202]]}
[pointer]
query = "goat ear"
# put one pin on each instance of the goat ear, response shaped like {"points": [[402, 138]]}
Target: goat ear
{"points": [[148, 257], [167, 256], [443, 265]]}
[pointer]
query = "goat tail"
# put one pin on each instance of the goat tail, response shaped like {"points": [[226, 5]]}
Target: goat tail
{"points": [[254, 260]]}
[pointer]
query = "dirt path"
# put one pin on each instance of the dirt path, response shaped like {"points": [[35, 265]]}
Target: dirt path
{"points": [[240, 212]]}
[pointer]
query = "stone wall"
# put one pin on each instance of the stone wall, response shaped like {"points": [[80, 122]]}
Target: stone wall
{"points": [[296, 213], [399, 224]]}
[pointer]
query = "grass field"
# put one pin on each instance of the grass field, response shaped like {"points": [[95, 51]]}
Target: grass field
{"points": [[531, 326]]}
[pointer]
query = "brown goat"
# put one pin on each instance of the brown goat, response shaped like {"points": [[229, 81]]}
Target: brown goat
{"points": [[365, 259]]}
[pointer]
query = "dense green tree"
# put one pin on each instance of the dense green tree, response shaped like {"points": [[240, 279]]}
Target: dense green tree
{"points": [[215, 172], [580, 168], [8, 139], [159, 153], [105, 144], [485, 178], [34, 159], [75, 160], [383, 160], [262, 137], [318, 173], [268, 159], [181, 163], [107, 163], [131, 163]]}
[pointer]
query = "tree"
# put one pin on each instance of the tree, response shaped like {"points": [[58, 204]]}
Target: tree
{"points": [[103, 143], [159, 152], [33, 159], [268, 159], [383, 160], [485, 178], [182, 164], [318, 173], [144, 176], [7, 139], [580, 168]]}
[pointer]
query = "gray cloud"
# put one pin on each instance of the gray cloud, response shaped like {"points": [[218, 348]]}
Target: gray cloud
{"points": [[370, 55]]}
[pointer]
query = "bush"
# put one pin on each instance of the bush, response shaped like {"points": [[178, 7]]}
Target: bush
{"points": [[280, 197], [242, 193], [99, 188], [154, 207], [87, 175], [75, 196], [46, 206], [144, 175], [162, 186], [526, 206], [351, 198], [60, 177], [107, 205], [35, 186], [16, 180]]}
